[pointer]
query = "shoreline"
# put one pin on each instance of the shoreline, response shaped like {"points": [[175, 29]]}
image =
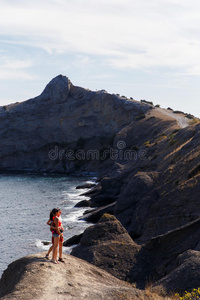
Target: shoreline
{"points": [[35, 245]]}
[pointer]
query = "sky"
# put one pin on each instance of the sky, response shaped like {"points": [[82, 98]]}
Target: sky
{"points": [[141, 49]]}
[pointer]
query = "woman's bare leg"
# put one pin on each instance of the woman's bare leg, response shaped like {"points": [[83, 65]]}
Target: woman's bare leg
{"points": [[50, 249], [55, 248], [60, 248]]}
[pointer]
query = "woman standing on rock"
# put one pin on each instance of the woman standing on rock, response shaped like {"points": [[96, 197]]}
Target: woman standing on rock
{"points": [[61, 239], [57, 235], [50, 222]]}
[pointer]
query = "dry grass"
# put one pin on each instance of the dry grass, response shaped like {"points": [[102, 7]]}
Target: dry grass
{"points": [[158, 293]]}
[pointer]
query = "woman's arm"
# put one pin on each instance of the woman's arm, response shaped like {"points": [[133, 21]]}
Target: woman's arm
{"points": [[57, 228], [49, 222], [61, 227]]}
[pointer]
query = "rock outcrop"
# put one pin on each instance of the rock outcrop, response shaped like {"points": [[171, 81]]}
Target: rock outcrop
{"points": [[108, 246], [159, 192], [164, 261], [65, 129], [33, 277]]}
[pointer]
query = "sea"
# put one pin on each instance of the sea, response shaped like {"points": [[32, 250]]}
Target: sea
{"points": [[25, 204]]}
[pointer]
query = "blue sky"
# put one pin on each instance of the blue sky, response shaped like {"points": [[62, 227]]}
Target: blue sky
{"points": [[140, 49]]}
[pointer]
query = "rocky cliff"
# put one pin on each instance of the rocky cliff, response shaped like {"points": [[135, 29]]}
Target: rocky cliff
{"points": [[148, 160], [65, 129]]}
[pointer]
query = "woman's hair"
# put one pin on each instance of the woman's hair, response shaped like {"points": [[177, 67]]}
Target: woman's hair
{"points": [[52, 213], [51, 216]]}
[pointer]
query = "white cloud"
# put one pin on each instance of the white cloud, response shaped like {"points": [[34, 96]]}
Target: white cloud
{"points": [[130, 34], [14, 69]]}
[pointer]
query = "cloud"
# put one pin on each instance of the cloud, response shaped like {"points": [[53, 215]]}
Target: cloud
{"points": [[127, 34], [14, 69]]}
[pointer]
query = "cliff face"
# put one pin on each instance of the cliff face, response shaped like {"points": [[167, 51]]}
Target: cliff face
{"points": [[151, 160], [46, 132]]}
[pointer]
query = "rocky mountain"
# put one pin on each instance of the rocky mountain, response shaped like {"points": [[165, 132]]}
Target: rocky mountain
{"points": [[62, 129], [148, 162]]}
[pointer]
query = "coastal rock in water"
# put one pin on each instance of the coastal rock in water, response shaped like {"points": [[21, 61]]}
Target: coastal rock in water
{"points": [[94, 215], [86, 186], [108, 246], [73, 240]]}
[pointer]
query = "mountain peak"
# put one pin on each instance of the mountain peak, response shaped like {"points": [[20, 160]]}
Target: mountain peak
{"points": [[57, 89]]}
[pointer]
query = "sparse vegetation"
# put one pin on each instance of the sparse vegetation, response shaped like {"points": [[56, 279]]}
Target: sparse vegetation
{"points": [[189, 116], [147, 102], [147, 143], [157, 105], [163, 193], [135, 148], [193, 295], [178, 112], [156, 293], [194, 121], [172, 141], [140, 117]]}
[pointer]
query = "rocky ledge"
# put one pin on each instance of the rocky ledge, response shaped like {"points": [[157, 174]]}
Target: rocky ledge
{"points": [[33, 277], [170, 260]]}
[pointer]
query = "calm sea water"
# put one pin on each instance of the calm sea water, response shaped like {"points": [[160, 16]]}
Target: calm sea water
{"points": [[25, 204]]}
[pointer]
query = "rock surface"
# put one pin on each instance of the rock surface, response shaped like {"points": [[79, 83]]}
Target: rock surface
{"points": [[160, 191], [164, 260], [149, 163], [108, 246], [34, 278]]}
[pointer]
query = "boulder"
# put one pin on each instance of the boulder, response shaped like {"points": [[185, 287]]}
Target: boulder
{"points": [[136, 198], [86, 186], [83, 203], [108, 246], [186, 276], [73, 240], [94, 215], [160, 260]]}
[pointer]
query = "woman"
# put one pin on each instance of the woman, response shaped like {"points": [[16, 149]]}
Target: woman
{"points": [[61, 237], [50, 222], [57, 235]]}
